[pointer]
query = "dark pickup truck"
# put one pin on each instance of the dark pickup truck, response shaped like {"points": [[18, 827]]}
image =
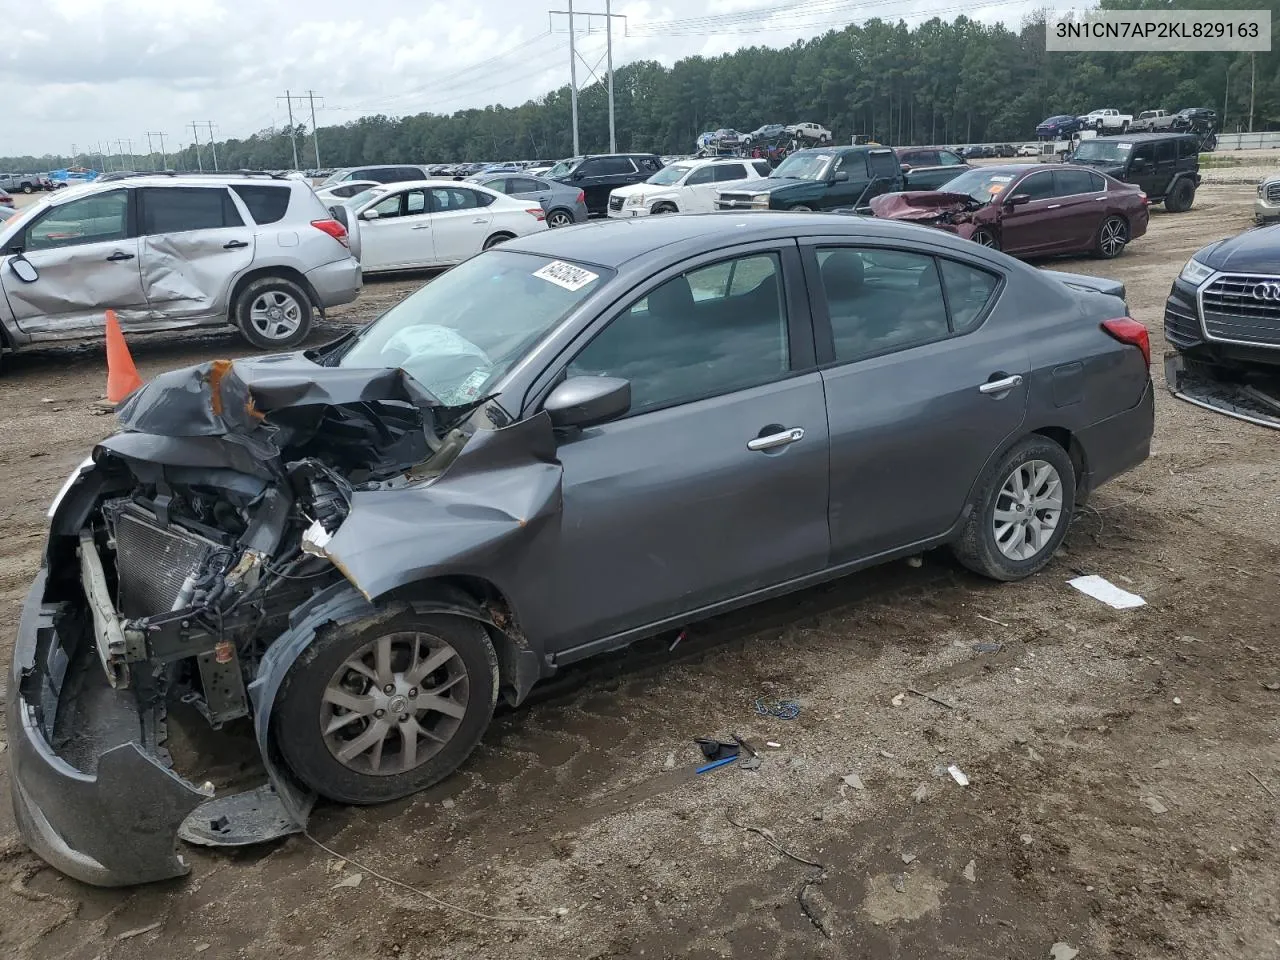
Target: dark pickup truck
{"points": [[823, 178]]}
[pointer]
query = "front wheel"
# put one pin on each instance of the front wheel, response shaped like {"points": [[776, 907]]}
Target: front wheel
{"points": [[1113, 235], [273, 313], [985, 238], [496, 239], [26, 188], [382, 707], [1020, 512], [802, 208]]}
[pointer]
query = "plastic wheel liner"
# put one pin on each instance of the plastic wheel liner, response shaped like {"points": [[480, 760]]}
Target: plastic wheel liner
{"points": [[243, 507]]}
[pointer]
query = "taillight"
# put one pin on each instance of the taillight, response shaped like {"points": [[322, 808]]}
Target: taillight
{"points": [[1130, 331], [334, 229], [582, 196], [537, 213]]}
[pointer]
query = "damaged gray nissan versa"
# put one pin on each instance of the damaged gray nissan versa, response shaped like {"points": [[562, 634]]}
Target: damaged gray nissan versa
{"points": [[577, 440]]}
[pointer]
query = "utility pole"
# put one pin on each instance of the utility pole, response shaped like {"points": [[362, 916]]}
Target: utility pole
{"points": [[1251, 81], [164, 159], [213, 147], [102, 155], [195, 134], [315, 136], [608, 39], [293, 138], [573, 80]]}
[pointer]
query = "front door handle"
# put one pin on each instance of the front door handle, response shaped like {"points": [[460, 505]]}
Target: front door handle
{"points": [[776, 439], [1001, 386], [234, 245], [480, 220], [120, 255], [423, 226], [1053, 206]]}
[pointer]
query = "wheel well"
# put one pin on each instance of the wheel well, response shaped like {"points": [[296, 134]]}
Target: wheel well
{"points": [[1067, 441], [505, 234], [286, 273], [565, 210], [664, 205]]}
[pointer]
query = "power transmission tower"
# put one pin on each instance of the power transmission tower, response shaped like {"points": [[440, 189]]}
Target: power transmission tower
{"points": [[315, 136], [574, 57], [120, 145], [288, 98], [212, 146], [195, 135], [164, 159]]}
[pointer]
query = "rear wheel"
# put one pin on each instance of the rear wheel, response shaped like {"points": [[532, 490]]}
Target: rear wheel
{"points": [[496, 239], [273, 313], [559, 218], [985, 238], [1180, 197], [380, 708], [1112, 237], [1020, 512], [802, 208]]}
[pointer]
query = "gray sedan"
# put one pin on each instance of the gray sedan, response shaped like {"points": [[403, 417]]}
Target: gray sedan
{"points": [[565, 444], [563, 204]]}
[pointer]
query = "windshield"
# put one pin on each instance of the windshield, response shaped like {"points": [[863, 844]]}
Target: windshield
{"points": [[1107, 150], [459, 335], [669, 175], [981, 185], [564, 167], [803, 166]]}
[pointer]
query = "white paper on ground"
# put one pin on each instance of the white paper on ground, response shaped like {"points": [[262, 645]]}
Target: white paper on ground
{"points": [[1102, 589]]}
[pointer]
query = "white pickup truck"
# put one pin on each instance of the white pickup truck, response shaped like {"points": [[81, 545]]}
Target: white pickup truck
{"points": [[1153, 120], [1107, 120]]}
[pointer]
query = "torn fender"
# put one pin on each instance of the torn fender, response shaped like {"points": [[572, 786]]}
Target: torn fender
{"points": [[920, 204], [487, 512]]}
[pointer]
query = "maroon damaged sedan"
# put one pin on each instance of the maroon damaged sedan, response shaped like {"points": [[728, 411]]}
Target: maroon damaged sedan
{"points": [[1029, 209]]}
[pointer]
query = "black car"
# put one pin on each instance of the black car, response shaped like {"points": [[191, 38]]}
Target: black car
{"points": [[1165, 165], [598, 176], [822, 178]]}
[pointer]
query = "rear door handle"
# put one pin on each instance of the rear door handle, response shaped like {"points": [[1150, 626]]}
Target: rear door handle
{"points": [[120, 255], [1053, 206], [1001, 386], [776, 439], [234, 245]]}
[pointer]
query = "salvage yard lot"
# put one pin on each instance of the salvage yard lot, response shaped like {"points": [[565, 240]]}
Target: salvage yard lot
{"points": [[1081, 726]]}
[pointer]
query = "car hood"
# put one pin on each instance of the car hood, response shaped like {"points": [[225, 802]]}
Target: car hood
{"points": [[648, 189], [921, 204], [767, 185], [1109, 167], [1254, 251]]}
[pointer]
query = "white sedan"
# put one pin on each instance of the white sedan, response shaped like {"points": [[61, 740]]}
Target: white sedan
{"points": [[688, 186], [435, 223], [339, 192]]}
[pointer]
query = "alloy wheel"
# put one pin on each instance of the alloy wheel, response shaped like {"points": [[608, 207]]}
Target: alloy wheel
{"points": [[559, 219], [984, 238], [276, 315], [1028, 509], [1114, 236], [394, 703]]}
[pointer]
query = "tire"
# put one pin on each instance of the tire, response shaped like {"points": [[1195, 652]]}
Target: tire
{"points": [[26, 188], [664, 208], [1113, 236], [302, 712], [802, 208], [559, 218], [978, 548], [1181, 197], [281, 330], [496, 239], [1124, 128], [985, 238]]}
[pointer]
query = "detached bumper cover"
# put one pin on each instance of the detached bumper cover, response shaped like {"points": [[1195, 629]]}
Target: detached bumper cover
{"points": [[114, 826]]}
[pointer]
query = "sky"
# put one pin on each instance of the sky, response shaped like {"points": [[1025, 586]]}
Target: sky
{"points": [[91, 74]]}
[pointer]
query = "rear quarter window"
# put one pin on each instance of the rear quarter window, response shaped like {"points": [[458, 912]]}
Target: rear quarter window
{"points": [[267, 204], [883, 163]]}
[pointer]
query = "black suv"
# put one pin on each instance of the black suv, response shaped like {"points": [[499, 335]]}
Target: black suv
{"points": [[1165, 166], [598, 176]]}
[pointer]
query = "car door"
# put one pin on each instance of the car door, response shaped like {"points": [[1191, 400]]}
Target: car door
{"points": [[459, 221], [598, 176], [698, 193], [1025, 215], [1166, 161], [1077, 209], [847, 180], [1143, 170], [912, 415], [400, 233], [727, 177], [195, 242], [85, 255], [715, 484]]}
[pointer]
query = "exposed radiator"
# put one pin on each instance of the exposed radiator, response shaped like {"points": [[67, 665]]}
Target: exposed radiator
{"points": [[152, 563]]}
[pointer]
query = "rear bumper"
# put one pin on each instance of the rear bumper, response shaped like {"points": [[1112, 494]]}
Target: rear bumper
{"points": [[1119, 443], [338, 282], [115, 823]]}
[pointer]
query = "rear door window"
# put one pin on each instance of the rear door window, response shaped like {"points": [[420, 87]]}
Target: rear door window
{"points": [[448, 199], [883, 163], [701, 175], [1188, 148], [182, 209], [948, 159], [730, 171], [1071, 182], [1166, 151], [268, 204]]}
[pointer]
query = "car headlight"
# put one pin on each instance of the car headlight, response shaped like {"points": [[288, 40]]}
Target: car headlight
{"points": [[760, 198], [66, 486], [1195, 273], [635, 200]]}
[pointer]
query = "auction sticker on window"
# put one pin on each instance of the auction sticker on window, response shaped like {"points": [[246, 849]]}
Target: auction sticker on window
{"points": [[566, 275]]}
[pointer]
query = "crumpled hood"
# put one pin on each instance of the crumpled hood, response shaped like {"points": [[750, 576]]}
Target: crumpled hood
{"points": [[920, 204], [1254, 251]]}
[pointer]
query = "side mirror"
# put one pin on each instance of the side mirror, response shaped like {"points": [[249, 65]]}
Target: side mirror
{"points": [[21, 266], [370, 215], [840, 176], [587, 401], [1018, 199]]}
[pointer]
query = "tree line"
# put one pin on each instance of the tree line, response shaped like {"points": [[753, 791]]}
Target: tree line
{"points": [[940, 82]]}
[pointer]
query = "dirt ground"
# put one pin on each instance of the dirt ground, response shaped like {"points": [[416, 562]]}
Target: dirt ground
{"points": [[1123, 766]]}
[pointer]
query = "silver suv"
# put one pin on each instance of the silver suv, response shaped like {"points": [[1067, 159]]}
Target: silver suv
{"points": [[174, 252]]}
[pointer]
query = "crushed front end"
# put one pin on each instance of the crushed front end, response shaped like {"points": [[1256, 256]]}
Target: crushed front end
{"points": [[954, 212], [173, 563]]}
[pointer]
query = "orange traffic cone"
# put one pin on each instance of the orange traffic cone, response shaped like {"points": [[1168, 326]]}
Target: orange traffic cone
{"points": [[122, 375]]}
